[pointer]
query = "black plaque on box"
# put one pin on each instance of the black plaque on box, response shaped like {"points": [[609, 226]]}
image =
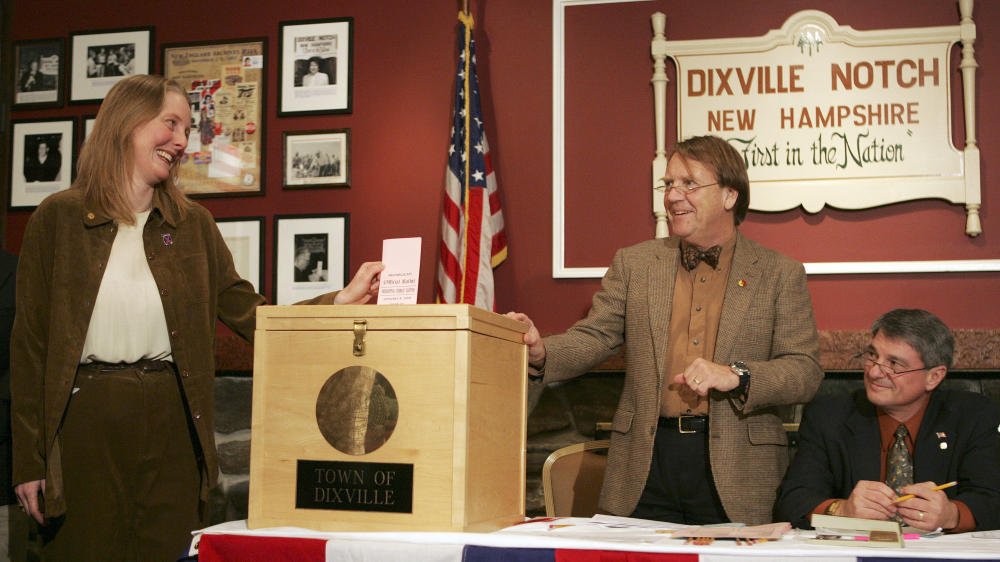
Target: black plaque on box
{"points": [[354, 486]]}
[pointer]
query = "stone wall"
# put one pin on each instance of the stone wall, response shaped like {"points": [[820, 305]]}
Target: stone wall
{"points": [[232, 439], [561, 414]]}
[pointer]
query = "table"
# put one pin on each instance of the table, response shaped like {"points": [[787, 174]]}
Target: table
{"points": [[551, 541]]}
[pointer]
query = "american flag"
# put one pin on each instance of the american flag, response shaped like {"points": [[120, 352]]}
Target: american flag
{"points": [[473, 241]]}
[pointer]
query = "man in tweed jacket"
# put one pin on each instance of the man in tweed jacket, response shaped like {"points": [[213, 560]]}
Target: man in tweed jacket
{"points": [[712, 349]]}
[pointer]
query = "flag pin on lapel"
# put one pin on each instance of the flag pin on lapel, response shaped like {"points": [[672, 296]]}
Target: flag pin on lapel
{"points": [[167, 239], [941, 435]]}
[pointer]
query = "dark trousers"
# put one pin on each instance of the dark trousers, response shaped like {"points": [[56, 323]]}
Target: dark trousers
{"points": [[129, 466], [680, 487]]}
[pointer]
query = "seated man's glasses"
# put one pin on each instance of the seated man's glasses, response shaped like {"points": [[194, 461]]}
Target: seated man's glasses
{"points": [[869, 359]]}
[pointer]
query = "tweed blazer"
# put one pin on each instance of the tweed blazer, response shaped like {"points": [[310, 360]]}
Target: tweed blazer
{"points": [[839, 445], [767, 322]]}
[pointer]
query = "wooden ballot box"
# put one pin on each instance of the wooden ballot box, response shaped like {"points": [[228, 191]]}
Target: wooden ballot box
{"points": [[392, 417]]}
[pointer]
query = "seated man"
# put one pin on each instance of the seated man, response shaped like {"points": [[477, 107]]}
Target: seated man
{"points": [[901, 435]]}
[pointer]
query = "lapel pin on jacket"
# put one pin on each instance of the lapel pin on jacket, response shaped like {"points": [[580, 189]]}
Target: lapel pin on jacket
{"points": [[741, 283], [167, 239]]}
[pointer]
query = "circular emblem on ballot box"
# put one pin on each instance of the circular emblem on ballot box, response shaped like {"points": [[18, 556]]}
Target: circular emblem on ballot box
{"points": [[357, 410]]}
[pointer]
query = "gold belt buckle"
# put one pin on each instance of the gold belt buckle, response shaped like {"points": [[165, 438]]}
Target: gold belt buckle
{"points": [[680, 425]]}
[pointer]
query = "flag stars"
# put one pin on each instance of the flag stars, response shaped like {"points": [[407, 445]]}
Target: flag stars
{"points": [[477, 175], [479, 148]]}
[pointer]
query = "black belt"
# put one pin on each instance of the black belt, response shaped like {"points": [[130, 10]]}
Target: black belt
{"points": [[144, 365], [685, 424]]}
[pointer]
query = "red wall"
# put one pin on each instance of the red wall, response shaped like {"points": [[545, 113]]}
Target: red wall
{"points": [[404, 62]]}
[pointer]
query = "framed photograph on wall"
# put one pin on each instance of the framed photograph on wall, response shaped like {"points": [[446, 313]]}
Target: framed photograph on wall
{"points": [[39, 73], [317, 159], [315, 66], [41, 159], [225, 85], [310, 255], [86, 126], [99, 59], [245, 236]]}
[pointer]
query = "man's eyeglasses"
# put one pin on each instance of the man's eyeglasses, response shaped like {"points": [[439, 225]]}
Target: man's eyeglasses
{"points": [[683, 187], [893, 369]]}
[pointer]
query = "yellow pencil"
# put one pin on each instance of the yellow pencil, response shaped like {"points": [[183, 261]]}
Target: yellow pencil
{"points": [[911, 496]]}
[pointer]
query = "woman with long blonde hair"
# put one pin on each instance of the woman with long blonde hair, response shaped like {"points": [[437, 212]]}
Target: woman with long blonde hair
{"points": [[120, 283]]}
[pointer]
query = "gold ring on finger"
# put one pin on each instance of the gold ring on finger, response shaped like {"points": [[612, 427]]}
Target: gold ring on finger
{"points": [[697, 381]]}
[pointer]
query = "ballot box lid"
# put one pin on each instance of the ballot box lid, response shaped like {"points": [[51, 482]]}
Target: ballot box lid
{"points": [[390, 317]]}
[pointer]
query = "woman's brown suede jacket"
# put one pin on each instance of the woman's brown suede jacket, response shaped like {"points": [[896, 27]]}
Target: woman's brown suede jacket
{"points": [[65, 250]]}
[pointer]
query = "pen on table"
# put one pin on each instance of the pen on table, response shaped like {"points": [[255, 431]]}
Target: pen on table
{"points": [[911, 496], [906, 536]]}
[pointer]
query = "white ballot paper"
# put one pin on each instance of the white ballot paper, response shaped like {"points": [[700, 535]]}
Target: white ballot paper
{"points": [[398, 284]]}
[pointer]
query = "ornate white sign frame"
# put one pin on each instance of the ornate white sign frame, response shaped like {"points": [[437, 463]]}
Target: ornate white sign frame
{"points": [[958, 188]]}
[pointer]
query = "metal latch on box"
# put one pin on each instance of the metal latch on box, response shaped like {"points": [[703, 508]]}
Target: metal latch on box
{"points": [[360, 329]]}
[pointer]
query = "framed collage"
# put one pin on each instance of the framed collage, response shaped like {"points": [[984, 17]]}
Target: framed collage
{"points": [[225, 84]]}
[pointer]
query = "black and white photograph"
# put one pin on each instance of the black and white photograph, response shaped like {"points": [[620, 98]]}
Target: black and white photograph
{"points": [[310, 264], [99, 59], [317, 70], [41, 159], [38, 76], [244, 237], [317, 159], [111, 60], [315, 66], [310, 255]]}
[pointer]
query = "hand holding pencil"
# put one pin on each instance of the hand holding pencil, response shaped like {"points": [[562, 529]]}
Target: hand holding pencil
{"points": [[926, 507], [935, 488]]}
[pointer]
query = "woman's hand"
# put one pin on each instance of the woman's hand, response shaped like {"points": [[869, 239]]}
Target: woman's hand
{"points": [[363, 287], [29, 496]]}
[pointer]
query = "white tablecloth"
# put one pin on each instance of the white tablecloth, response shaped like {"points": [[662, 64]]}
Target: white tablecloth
{"points": [[583, 534]]}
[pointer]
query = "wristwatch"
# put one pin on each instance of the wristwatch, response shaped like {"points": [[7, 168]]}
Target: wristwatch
{"points": [[832, 508], [741, 370]]}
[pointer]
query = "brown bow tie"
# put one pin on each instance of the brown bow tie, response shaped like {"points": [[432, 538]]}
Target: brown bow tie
{"points": [[691, 256]]}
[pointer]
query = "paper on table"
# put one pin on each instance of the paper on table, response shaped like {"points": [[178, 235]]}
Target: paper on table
{"points": [[615, 522], [398, 284], [769, 531]]}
